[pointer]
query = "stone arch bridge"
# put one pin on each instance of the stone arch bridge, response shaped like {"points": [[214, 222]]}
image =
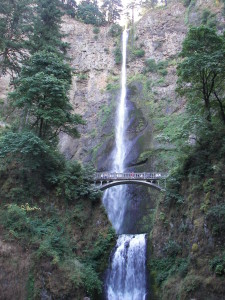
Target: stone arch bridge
{"points": [[155, 180]]}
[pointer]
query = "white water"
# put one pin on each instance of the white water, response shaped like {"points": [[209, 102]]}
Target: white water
{"points": [[126, 278], [114, 198]]}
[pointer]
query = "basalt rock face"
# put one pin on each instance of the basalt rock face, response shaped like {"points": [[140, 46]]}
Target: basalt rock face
{"points": [[92, 61]]}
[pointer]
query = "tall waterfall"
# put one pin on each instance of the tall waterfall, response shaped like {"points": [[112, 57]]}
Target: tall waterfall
{"points": [[114, 199], [126, 277]]}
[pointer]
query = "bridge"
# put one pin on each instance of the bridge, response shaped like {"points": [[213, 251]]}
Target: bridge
{"points": [[106, 180]]}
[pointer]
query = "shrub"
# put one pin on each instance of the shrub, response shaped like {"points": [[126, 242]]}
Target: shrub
{"points": [[150, 66], [92, 283], [163, 72], [208, 185], [138, 52], [163, 268], [172, 248], [117, 55], [190, 284], [74, 182], [15, 219], [28, 156], [217, 265], [96, 30], [216, 219], [115, 30]]}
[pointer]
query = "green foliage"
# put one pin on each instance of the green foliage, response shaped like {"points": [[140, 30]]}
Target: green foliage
{"points": [[115, 30], [49, 237], [216, 219], [190, 284], [41, 91], [153, 67], [102, 245], [117, 55], [208, 18], [138, 52], [96, 30], [70, 7], [82, 76], [15, 26], [201, 72], [163, 268], [217, 265], [208, 185], [89, 13], [92, 283], [172, 248], [46, 34], [75, 182], [16, 220], [112, 8], [173, 195], [26, 155]]}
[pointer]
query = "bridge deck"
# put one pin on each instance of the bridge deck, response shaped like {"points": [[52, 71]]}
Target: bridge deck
{"points": [[106, 176]]}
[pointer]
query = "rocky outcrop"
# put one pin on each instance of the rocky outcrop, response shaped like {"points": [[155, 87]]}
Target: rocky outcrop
{"points": [[92, 60]]}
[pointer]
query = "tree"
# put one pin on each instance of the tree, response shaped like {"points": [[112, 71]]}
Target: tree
{"points": [[113, 9], [41, 91], [201, 74], [89, 13], [15, 25], [46, 28]]}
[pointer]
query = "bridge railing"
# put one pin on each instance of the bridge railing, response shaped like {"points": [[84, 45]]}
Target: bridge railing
{"points": [[101, 176]]}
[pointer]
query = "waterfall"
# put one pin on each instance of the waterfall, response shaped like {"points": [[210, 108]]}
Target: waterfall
{"points": [[126, 276], [126, 279], [114, 199]]}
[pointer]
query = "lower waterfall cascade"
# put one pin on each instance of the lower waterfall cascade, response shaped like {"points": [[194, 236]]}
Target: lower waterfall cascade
{"points": [[126, 276]]}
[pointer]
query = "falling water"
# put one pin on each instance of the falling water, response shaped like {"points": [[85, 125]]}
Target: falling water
{"points": [[114, 199], [126, 276]]}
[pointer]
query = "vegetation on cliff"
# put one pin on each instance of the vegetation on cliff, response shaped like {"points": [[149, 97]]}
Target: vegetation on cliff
{"points": [[189, 257], [48, 205]]}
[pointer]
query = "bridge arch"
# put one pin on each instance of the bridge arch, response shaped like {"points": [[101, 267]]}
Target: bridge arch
{"points": [[140, 182]]}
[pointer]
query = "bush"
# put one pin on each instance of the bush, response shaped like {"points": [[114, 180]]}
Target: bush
{"points": [[115, 30], [138, 52], [217, 265], [152, 66], [96, 30], [75, 182], [172, 249], [215, 218], [163, 268], [28, 156], [117, 55], [15, 219], [190, 284]]}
